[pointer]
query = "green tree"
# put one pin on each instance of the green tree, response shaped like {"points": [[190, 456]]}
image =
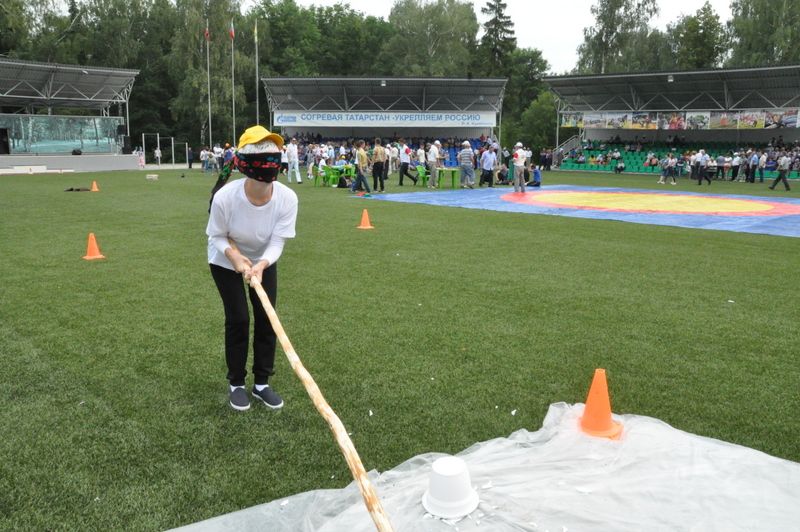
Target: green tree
{"points": [[616, 21], [431, 39], [700, 40], [187, 65], [538, 123], [498, 41], [764, 32], [60, 38], [351, 43], [526, 68], [14, 32], [118, 31], [288, 41], [648, 50]]}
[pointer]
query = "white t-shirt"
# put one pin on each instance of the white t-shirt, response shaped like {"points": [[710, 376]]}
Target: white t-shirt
{"points": [[250, 226], [519, 158], [421, 155], [284, 156], [433, 154], [394, 152], [291, 152], [404, 154]]}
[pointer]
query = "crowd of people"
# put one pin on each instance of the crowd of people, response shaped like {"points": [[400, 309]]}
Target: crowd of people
{"points": [[745, 165], [414, 161]]}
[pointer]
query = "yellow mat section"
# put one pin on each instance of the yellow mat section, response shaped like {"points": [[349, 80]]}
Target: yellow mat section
{"points": [[624, 201]]}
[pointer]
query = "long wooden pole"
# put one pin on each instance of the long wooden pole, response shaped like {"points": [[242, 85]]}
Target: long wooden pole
{"points": [[374, 507]]}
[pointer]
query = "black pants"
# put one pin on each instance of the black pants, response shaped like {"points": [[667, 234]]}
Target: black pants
{"points": [[702, 174], [404, 172], [486, 175], [751, 174], [781, 177], [377, 175], [237, 324]]}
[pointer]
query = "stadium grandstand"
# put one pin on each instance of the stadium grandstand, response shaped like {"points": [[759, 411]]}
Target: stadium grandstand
{"points": [[342, 108], [34, 137], [726, 112]]}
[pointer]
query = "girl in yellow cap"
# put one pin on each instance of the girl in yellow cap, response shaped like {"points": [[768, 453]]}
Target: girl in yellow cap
{"points": [[249, 221]]}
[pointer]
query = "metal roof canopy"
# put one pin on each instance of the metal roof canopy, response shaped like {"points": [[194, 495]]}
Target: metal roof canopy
{"points": [[384, 94], [32, 84], [694, 90]]}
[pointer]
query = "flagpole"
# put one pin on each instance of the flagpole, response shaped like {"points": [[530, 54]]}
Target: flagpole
{"points": [[233, 90], [257, 87], [208, 80]]}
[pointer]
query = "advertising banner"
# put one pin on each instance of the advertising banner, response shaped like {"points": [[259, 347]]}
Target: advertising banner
{"points": [[672, 121], [571, 119], [594, 121], [616, 120], [724, 120], [61, 134], [751, 120], [643, 121], [381, 119], [778, 118], [698, 120]]}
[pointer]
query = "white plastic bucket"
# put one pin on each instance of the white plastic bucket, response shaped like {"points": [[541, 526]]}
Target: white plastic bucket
{"points": [[450, 494]]}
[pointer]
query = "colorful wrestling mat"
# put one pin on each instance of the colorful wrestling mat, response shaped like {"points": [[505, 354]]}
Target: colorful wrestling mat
{"points": [[700, 210]]}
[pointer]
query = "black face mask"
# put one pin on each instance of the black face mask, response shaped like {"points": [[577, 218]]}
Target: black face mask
{"points": [[259, 166]]}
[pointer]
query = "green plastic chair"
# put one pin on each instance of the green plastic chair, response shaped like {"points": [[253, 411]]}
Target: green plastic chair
{"points": [[422, 175], [333, 175]]}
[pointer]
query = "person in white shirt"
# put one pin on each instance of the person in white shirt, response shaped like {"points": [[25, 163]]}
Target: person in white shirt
{"points": [[284, 161], [394, 154], [762, 164], [219, 154], [204, 159], [421, 154], [294, 161], [404, 154], [519, 168], [249, 221], [157, 155], [702, 167], [488, 164], [310, 161], [433, 163], [784, 163], [736, 165]]}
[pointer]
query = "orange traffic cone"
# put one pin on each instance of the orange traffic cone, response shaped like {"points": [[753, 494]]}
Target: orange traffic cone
{"points": [[94, 187], [92, 251], [596, 420], [365, 221]]}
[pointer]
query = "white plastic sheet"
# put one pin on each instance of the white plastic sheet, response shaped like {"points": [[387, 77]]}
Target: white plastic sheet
{"points": [[656, 478]]}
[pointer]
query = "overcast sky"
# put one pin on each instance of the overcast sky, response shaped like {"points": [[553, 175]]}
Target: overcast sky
{"points": [[553, 26]]}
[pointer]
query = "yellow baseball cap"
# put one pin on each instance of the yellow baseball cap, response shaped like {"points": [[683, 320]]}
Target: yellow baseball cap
{"points": [[256, 134]]}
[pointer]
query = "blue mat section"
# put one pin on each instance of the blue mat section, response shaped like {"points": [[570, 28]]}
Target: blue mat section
{"points": [[490, 199]]}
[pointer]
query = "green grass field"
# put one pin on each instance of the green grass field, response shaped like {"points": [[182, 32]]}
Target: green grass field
{"points": [[113, 405]]}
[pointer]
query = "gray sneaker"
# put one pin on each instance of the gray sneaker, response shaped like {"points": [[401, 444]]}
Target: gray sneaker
{"points": [[238, 398], [269, 397]]}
